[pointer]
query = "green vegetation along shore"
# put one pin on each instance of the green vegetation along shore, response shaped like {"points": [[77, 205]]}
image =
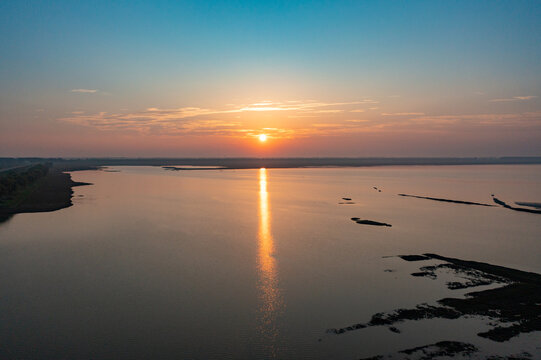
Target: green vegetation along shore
{"points": [[35, 188]]}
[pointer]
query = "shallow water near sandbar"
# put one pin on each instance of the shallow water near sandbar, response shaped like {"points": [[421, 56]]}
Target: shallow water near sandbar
{"points": [[254, 264]]}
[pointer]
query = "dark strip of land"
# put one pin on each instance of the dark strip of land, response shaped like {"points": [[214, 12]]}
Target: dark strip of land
{"points": [[513, 308], [529, 204], [369, 222], [507, 206], [51, 190], [255, 163], [442, 348], [446, 200]]}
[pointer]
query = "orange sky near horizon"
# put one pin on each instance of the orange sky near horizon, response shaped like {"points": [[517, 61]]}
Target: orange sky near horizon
{"points": [[206, 79], [293, 128]]}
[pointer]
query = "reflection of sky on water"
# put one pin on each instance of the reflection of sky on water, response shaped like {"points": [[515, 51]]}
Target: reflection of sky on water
{"points": [[215, 266]]}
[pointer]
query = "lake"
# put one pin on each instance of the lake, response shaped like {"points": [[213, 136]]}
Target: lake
{"points": [[254, 264]]}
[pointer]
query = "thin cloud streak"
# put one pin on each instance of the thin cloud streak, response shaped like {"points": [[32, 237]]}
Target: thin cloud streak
{"points": [[188, 119], [84, 91], [403, 114], [515, 98], [312, 119]]}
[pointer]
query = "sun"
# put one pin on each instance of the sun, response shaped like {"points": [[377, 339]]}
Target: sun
{"points": [[262, 137]]}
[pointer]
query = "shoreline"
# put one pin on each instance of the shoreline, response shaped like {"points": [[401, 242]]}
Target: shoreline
{"points": [[227, 163], [270, 163], [511, 305], [52, 192]]}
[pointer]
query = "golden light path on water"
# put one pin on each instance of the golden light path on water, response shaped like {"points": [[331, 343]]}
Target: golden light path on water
{"points": [[269, 293]]}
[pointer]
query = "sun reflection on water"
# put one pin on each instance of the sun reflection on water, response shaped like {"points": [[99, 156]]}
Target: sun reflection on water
{"points": [[269, 293]]}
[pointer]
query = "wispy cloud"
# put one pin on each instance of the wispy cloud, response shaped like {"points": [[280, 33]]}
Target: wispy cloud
{"points": [[515, 121], [227, 121], [403, 114], [303, 118], [85, 91], [306, 106], [527, 121], [515, 98]]}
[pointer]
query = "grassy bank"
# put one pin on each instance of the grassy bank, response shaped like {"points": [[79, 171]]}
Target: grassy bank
{"points": [[37, 188]]}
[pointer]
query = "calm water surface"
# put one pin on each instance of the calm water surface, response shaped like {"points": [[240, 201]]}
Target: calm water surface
{"points": [[252, 264]]}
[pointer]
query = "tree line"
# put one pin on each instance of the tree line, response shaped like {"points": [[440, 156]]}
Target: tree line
{"points": [[12, 181]]}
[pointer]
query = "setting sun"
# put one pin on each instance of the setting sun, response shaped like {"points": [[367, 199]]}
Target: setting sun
{"points": [[262, 137]]}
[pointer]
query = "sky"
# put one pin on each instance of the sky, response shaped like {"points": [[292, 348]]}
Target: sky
{"points": [[318, 78]]}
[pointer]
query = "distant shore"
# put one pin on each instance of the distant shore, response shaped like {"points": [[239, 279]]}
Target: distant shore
{"points": [[256, 163]]}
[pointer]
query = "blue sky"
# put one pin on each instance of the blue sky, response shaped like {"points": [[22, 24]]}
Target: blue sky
{"points": [[438, 58]]}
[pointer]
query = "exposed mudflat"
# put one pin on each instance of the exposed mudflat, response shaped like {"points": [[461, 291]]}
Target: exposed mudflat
{"points": [[446, 200], [192, 167], [413, 257], [369, 222], [529, 204], [442, 348], [507, 206], [446, 350], [469, 277], [513, 308]]}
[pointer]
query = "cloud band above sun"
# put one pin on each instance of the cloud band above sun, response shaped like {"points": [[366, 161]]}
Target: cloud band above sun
{"points": [[295, 119]]}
